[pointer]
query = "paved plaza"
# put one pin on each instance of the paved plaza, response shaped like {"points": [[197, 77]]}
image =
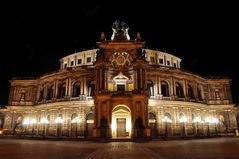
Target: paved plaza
{"points": [[219, 148]]}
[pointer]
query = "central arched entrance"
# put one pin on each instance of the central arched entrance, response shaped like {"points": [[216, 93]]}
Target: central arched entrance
{"points": [[121, 122]]}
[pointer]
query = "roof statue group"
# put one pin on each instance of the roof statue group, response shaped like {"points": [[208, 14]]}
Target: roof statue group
{"points": [[120, 28]]}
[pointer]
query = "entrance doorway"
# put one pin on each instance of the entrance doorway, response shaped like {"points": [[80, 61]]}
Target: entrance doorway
{"points": [[120, 87], [121, 127], [121, 122]]}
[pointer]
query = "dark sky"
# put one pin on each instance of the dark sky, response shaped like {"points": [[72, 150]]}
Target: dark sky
{"points": [[36, 35]]}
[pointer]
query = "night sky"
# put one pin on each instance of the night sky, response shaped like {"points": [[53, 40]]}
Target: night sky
{"points": [[36, 35]]}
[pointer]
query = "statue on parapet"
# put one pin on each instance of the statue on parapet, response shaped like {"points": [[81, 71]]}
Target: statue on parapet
{"points": [[120, 31]]}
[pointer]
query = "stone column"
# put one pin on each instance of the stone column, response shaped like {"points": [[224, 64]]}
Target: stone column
{"points": [[141, 79], [171, 88], [44, 91], [81, 85], [66, 88], [159, 88], [224, 92], [185, 88], [106, 78], [69, 87], [156, 87], [100, 78], [135, 80], [37, 95], [96, 79], [56, 88], [85, 86], [195, 88], [209, 92], [99, 113], [75, 60]]}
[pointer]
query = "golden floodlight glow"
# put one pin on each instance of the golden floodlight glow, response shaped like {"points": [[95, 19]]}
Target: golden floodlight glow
{"points": [[44, 121], [183, 119]]}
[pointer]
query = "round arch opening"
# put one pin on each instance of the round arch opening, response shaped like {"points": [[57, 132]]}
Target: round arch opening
{"points": [[121, 122]]}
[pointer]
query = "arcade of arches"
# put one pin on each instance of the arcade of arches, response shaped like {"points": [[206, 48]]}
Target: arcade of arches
{"points": [[119, 90]]}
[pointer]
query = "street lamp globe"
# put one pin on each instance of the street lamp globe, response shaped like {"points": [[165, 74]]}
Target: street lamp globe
{"points": [[197, 120], [183, 119], [44, 121], [59, 120], [76, 120], [26, 122], [33, 121], [166, 120]]}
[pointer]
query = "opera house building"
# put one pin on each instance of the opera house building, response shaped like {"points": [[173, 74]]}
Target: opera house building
{"points": [[119, 90]]}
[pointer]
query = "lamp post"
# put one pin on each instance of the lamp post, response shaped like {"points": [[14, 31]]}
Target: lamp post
{"points": [[58, 121], [26, 122], [44, 121], [197, 120], [166, 120], [183, 120], [215, 121], [208, 121], [75, 121], [228, 121], [32, 122]]}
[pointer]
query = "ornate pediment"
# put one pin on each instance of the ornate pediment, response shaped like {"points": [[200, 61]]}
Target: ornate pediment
{"points": [[121, 59]]}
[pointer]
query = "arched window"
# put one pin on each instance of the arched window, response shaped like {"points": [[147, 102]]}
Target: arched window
{"points": [[76, 89], [59, 116], [193, 117], [182, 119], [49, 93], [90, 116], [152, 117], [19, 120], [179, 91], [168, 115], [181, 115], [59, 119], [222, 121], [18, 123], [62, 91], [48, 118], [73, 116], [190, 92], [150, 87], [164, 89]]}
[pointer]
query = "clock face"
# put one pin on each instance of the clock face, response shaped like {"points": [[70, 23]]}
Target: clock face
{"points": [[120, 59]]}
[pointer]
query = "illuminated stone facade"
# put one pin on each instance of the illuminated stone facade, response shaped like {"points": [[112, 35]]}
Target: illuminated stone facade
{"points": [[119, 90]]}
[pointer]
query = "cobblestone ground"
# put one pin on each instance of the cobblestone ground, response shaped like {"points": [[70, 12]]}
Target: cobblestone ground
{"points": [[219, 148]]}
